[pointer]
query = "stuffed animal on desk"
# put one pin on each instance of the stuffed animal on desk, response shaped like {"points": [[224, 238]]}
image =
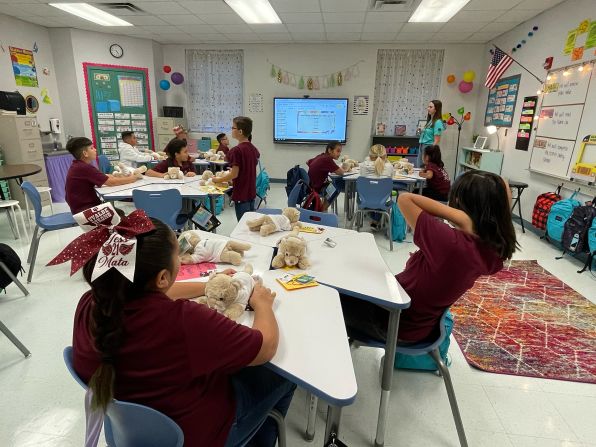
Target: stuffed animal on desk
{"points": [[162, 155], [193, 250], [272, 223], [174, 173], [347, 163], [121, 170], [229, 295], [403, 166], [206, 177], [291, 252]]}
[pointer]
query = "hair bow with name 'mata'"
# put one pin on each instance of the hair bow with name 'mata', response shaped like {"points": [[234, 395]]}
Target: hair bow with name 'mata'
{"points": [[111, 238]]}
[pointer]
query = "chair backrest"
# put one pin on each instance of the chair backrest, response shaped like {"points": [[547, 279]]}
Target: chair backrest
{"points": [[67, 355], [130, 425], [296, 193], [162, 205], [104, 164], [318, 218], [269, 211], [34, 198], [374, 193]]}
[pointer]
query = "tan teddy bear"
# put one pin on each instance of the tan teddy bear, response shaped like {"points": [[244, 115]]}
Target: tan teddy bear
{"points": [[272, 223], [206, 177], [229, 295], [193, 250], [403, 166], [348, 163], [121, 170], [174, 173], [291, 252]]}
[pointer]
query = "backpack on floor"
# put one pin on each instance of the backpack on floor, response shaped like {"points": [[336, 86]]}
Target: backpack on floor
{"points": [[542, 207], [558, 215], [592, 236], [262, 182], [426, 362], [398, 224], [313, 202], [293, 176], [219, 204], [575, 232], [12, 261]]}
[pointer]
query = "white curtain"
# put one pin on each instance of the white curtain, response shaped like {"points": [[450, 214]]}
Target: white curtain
{"points": [[214, 88], [406, 81]]}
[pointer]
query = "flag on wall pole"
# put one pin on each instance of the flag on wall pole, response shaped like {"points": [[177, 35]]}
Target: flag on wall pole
{"points": [[498, 65]]}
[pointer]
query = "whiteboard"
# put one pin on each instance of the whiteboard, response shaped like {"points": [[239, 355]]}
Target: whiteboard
{"points": [[567, 114]]}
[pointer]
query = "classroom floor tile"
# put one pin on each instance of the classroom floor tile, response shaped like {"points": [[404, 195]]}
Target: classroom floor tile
{"points": [[43, 406]]}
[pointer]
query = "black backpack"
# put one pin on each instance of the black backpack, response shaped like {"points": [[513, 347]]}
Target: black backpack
{"points": [[294, 175], [575, 232], [12, 261]]}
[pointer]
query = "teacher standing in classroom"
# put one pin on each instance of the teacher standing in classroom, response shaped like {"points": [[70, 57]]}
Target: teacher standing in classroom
{"points": [[432, 131]]}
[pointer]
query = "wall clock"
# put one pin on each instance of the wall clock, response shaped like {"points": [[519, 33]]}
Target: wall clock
{"points": [[116, 50]]}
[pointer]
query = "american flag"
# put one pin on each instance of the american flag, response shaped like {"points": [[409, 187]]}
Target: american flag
{"points": [[499, 65]]}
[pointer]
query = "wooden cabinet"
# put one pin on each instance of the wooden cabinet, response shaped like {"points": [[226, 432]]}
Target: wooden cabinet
{"points": [[21, 143], [481, 159]]}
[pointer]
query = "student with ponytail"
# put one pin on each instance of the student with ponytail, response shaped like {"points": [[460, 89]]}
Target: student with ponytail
{"points": [[376, 164], [136, 339]]}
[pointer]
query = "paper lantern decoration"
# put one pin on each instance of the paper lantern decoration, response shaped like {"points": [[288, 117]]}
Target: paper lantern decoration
{"points": [[445, 116], [451, 121], [466, 87], [460, 111], [177, 78], [469, 75], [167, 69], [450, 79], [164, 84], [467, 116]]}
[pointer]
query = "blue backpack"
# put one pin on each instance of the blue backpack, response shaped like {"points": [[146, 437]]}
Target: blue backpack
{"points": [[219, 204], [398, 224], [294, 176], [558, 215], [262, 182]]}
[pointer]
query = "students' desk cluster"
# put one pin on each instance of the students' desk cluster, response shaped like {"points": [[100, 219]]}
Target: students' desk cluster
{"points": [[200, 164], [313, 348]]}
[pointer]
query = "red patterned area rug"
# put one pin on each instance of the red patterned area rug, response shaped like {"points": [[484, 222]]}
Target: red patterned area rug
{"points": [[524, 321]]}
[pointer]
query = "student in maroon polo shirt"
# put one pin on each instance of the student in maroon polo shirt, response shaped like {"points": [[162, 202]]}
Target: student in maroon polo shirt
{"points": [[437, 179], [449, 258], [243, 160], [83, 177], [323, 165], [224, 143], [177, 157], [143, 342]]}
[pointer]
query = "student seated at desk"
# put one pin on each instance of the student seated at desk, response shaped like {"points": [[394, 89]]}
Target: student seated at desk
{"points": [[449, 259], [144, 342], [129, 154], [323, 165], [83, 177], [376, 164], [177, 157], [223, 141], [437, 179]]}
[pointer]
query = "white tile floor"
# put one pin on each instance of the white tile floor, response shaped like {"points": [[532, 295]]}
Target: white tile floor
{"points": [[42, 406]]}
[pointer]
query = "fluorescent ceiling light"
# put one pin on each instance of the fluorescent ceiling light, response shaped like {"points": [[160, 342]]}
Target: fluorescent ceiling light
{"points": [[437, 10], [254, 11], [91, 13]]}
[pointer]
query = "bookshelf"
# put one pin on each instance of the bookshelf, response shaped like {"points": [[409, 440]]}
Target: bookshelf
{"points": [[480, 159], [398, 146]]}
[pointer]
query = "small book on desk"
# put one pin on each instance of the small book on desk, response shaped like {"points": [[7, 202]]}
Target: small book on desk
{"points": [[292, 282], [308, 229]]}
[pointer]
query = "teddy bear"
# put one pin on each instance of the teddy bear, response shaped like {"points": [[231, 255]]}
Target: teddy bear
{"points": [[121, 170], [174, 173], [272, 223], [403, 166], [291, 252], [161, 155], [206, 177], [229, 295], [193, 250], [347, 163]]}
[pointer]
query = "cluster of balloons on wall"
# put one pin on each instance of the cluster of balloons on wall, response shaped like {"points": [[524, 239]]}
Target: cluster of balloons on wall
{"points": [[467, 84], [176, 78]]}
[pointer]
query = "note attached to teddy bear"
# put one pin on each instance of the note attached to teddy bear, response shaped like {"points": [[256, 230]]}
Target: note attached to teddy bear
{"points": [[193, 250], [272, 223]]}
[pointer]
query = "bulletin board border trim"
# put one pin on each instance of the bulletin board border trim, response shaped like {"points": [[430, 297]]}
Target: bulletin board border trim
{"points": [[121, 67]]}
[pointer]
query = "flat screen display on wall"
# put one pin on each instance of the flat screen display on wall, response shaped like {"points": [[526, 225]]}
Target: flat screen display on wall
{"points": [[309, 120]]}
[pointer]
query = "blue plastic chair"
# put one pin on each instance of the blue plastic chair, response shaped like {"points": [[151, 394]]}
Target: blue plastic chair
{"points": [[104, 164], [294, 195], [269, 211], [318, 218], [133, 425], [45, 223], [161, 205], [374, 196]]}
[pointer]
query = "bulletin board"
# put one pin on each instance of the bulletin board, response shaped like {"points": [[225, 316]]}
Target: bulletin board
{"points": [[118, 98], [564, 144], [502, 98]]}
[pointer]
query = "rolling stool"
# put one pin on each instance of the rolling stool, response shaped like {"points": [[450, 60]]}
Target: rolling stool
{"points": [[519, 186]]}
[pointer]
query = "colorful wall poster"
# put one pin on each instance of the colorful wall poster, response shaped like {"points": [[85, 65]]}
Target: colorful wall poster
{"points": [[526, 121], [500, 107], [23, 67]]}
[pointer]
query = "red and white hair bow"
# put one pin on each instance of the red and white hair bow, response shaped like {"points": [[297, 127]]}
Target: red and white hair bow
{"points": [[112, 238]]}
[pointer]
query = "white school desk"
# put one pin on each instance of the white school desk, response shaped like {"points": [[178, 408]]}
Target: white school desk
{"points": [[242, 232], [218, 165], [313, 350]]}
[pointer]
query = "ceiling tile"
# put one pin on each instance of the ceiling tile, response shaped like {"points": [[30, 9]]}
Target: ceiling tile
{"points": [[450, 37], [275, 37], [483, 5], [421, 27], [269, 28], [240, 37], [199, 28], [145, 20], [344, 5], [39, 9], [306, 27], [413, 37], [393, 17], [481, 37], [181, 19], [343, 28], [210, 37], [343, 17], [44, 21], [502, 27], [518, 15], [305, 37], [452, 27], [301, 17], [382, 27], [343, 37], [207, 7], [477, 16], [221, 19], [232, 29], [538, 4], [161, 7], [295, 5], [379, 37]]}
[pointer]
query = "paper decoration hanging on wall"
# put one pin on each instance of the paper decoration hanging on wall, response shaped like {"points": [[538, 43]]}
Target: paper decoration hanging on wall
{"points": [[340, 79], [177, 78], [316, 84], [301, 83], [336, 78], [310, 84], [273, 71], [279, 76], [286, 79]]}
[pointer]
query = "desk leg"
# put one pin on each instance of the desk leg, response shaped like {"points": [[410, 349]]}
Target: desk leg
{"points": [[346, 202], [332, 425], [212, 203], [387, 376]]}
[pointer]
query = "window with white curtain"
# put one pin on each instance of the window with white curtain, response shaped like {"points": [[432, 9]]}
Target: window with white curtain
{"points": [[214, 88], [406, 81]]}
